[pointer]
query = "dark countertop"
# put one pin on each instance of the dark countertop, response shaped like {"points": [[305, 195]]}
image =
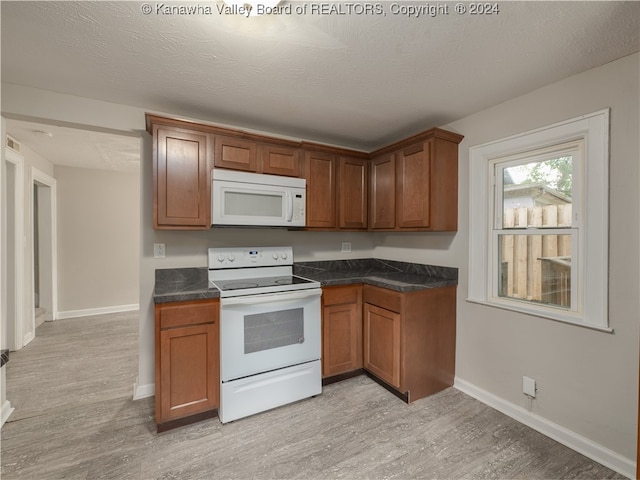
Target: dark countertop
{"points": [[398, 276], [184, 284]]}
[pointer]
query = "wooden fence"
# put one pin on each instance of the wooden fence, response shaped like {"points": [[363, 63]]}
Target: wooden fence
{"points": [[537, 267]]}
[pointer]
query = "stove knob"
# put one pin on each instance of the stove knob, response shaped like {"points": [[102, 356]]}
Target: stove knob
{"points": [[221, 258], [231, 258], [284, 255], [275, 256]]}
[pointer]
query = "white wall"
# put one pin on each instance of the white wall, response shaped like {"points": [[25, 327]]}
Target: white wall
{"points": [[98, 240], [587, 380]]}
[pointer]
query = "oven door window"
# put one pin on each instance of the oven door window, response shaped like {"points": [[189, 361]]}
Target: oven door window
{"points": [[265, 331]]}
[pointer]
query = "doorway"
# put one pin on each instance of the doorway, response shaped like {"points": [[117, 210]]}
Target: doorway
{"points": [[43, 248]]}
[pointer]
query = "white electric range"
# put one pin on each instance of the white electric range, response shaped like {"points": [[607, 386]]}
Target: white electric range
{"points": [[270, 333]]}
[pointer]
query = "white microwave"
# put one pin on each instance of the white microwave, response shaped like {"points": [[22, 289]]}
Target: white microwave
{"points": [[254, 199]]}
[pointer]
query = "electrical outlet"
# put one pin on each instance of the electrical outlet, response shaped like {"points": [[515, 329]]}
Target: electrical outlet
{"points": [[529, 387], [346, 247], [158, 250]]}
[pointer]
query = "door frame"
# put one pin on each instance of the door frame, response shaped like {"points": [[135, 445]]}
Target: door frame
{"points": [[38, 176], [13, 157]]}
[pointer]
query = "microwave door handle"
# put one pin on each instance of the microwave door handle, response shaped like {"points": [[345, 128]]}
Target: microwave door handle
{"points": [[289, 206]]}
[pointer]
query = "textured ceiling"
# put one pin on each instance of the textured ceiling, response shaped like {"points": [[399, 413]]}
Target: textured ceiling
{"points": [[72, 147], [358, 81]]}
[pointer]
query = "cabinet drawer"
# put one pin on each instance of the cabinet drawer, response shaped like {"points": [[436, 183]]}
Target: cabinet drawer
{"points": [[183, 314], [341, 295], [382, 297]]}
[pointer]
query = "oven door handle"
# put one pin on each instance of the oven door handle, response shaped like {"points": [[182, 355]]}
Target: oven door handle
{"points": [[271, 297]]}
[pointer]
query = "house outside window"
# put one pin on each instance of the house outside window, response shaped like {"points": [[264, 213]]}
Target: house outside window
{"points": [[539, 222]]}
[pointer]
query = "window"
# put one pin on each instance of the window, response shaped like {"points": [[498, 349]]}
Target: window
{"points": [[539, 225]]}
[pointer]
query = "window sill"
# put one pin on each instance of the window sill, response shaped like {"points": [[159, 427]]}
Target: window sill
{"points": [[536, 313]]}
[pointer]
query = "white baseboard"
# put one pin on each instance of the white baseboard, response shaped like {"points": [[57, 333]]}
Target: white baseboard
{"points": [[143, 391], [5, 411], [580, 444], [97, 311]]}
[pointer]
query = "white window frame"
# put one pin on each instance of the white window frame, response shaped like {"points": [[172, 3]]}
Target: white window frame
{"points": [[590, 220]]}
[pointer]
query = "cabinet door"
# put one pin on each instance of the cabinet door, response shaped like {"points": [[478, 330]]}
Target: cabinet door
{"points": [[383, 192], [341, 330], [186, 359], [189, 372], [382, 344], [280, 160], [352, 184], [181, 179], [321, 190], [413, 186], [236, 154]]}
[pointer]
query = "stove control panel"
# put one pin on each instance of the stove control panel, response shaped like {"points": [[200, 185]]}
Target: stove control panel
{"points": [[250, 257]]}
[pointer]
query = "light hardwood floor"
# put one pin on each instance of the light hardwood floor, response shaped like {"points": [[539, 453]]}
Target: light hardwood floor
{"points": [[74, 418]]}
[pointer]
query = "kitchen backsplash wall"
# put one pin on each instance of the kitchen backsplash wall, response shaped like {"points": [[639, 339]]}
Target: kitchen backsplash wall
{"points": [[189, 249]]}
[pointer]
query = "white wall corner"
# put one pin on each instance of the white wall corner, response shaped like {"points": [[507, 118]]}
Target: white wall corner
{"points": [[143, 391], [588, 448], [5, 411]]}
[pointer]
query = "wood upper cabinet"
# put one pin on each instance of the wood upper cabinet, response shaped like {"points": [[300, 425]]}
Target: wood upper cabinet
{"points": [[353, 186], [320, 173], [251, 156], [236, 153], [186, 359], [414, 184], [382, 206], [413, 179], [411, 185], [277, 160], [410, 339], [341, 330], [181, 187]]}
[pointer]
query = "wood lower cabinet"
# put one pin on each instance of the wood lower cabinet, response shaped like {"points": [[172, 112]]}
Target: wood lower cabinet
{"points": [[181, 186], [382, 343], [409, 339], [341, 330], [186, 361]]}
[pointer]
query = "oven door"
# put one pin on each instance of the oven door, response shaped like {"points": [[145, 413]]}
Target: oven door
{"points": [[260, 333]]}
